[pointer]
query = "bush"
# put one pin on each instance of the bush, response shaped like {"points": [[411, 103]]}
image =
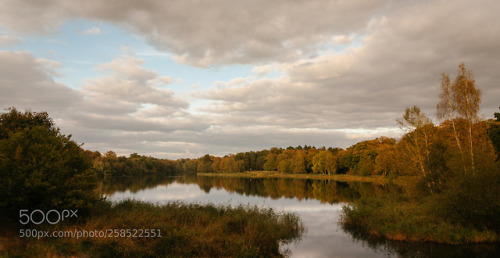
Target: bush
{"points": [[472, 200], [40, 167], [396, 217]]}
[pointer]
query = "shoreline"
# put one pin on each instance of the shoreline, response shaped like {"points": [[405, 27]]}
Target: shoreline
{"points": [[274, 174]]}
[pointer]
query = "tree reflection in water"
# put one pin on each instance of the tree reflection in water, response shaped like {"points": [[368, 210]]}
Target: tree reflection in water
{"points": [[421, 249], [326, 191]]}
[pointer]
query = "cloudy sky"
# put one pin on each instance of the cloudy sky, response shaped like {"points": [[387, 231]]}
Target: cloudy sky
{"points": [[184, 78]]}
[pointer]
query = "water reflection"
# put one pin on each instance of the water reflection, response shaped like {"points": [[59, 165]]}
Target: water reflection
{"points": [[405, 249], [325, 191], [317, 202]]}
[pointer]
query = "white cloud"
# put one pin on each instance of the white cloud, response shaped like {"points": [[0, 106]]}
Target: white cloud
{"points": [[91, 31], [262, 70], [26, 82], [126, 80]]}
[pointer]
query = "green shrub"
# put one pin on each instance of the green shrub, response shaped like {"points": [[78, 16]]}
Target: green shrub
{"points": [[40, 168], [397, 217]]}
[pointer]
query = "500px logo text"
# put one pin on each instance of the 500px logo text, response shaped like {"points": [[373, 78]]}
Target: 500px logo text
{"points": [[37, 217]]}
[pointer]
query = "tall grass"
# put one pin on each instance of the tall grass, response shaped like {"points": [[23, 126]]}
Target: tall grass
{"points": [[186, 230]]}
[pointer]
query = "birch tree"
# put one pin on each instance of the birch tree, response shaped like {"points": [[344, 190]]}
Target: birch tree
{"points": [[461, 99], [416, 140]]}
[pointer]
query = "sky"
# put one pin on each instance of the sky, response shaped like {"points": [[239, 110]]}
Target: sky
{"points": [[180, 79]]}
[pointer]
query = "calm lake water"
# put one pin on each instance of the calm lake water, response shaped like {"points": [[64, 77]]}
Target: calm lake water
{"points": [[317, 202]]}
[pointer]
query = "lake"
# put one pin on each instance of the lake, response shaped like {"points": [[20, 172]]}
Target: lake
{"points": [[317, 202]]}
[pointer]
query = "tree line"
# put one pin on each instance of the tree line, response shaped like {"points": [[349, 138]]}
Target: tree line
{"points": [[359, 159], [420, 152], [110, 164]]}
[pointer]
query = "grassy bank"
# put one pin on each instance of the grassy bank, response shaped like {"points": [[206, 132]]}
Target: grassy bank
{"points": [[185, 229], [275, 174], [397, 217]]}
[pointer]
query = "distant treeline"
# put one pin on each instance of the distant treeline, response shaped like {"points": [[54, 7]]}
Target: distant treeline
{"points": [[360, 159], [380, 156], [113, 165], [364, 158]]}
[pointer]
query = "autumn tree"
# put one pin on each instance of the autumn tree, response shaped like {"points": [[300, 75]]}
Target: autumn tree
{"points": [[494, 133], [231, 165], [217, 164], [417, 138], [271, 162], [460, 100], [388, 160], [311, 152], [284, 161], [205, 164], [299, 162], [186, 166], [446, 110], [324, 162]]}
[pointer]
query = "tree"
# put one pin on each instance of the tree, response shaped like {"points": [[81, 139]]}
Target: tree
{"points": [[261, 159], [324, 162], [230, 165], [311, 152], [284, 161], [205, 164], [271, 162], [446, 110], [494, 133], [461, 99], [40, 167], [416, 141], [387, 160], [299, 162]]}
